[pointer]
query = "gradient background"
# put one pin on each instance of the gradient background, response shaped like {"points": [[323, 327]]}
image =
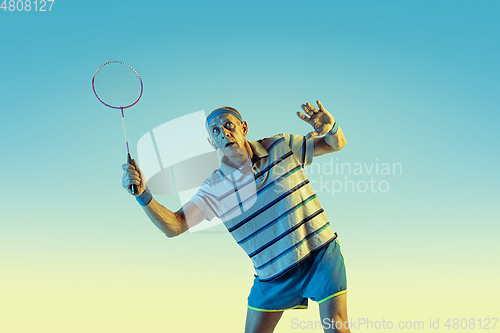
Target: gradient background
{"points": [[410, 82]]}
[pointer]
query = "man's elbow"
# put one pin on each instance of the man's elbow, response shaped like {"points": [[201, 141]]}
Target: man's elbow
{"points": [[342, 144], [171, 234], [179, 228], [175, 231], [339, 146], [341, 141]]}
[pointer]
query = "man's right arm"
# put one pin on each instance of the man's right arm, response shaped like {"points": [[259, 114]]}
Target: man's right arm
{"points": [[170, 223]]}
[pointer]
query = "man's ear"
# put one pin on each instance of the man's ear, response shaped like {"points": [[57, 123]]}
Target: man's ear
{"points": [[212, 143], [245, 127]]}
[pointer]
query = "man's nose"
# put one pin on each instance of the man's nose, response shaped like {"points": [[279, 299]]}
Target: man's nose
{"points": [[226, 132]]}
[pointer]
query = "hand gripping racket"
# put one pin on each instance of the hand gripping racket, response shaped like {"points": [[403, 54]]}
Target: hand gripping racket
{"points": [[118, 86]]}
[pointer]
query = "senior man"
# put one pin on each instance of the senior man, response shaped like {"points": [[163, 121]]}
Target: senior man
{"points": [[265, 200]]}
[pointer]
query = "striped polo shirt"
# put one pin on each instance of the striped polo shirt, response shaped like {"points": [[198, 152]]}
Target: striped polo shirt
{"points": [[269, 206]]}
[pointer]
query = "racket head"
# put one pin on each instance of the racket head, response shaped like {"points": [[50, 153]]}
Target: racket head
{"points": [[117, 85]]}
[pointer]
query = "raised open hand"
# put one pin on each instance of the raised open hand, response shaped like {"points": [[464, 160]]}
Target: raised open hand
{"points": [[321, 120]]}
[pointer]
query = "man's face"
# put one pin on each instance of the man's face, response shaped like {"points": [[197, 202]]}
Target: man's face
{"points": [[228, 134]]}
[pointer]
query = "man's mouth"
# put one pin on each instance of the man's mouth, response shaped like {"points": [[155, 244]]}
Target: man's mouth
{"points": [[229, 143]]}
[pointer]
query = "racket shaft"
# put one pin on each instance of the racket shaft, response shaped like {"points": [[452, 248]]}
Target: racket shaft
{"points": [[125, 132]]}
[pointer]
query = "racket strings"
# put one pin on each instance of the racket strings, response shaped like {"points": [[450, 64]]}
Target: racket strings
{"points": [[117, 85]]}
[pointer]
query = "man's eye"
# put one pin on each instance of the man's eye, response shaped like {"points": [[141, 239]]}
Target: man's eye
{"points": [[216, 130], [229, 124]]}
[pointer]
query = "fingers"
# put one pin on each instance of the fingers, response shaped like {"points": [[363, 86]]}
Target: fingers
{"points": [[136, 167], [310, 109], [133, 166], [141, 174], [128, 166], [132, 175], [321, 108], [303, 117], [128, 182], [130, 170], [129, 179], [307, 109], [133, 179]]}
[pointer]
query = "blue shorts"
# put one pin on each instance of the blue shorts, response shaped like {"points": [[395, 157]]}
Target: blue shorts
{"points": [[319, 277]]}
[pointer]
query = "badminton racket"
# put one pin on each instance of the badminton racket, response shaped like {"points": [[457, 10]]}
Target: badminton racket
{"points": [[118, 86]]}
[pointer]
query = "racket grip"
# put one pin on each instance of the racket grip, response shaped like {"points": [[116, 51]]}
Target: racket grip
{"points": [[133, 187]]}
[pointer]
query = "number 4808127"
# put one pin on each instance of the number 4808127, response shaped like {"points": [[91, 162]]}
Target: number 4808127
{"points": [[27, 5]]}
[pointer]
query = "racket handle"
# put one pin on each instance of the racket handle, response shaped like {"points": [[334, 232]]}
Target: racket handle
{"points": [[133, 187]]}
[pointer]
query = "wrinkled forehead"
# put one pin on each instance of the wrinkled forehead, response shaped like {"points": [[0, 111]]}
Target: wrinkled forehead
{"points": [[221, 118]]}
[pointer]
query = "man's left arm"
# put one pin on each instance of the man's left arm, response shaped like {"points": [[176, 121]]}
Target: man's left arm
{"points": [[323, 123]]}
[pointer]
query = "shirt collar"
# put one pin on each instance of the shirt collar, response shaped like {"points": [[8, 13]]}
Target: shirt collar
{"points": [[227, 170]]}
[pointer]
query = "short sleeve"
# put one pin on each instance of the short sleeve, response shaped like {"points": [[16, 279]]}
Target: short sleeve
{"points": [[301, 147], [203, 200]]}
